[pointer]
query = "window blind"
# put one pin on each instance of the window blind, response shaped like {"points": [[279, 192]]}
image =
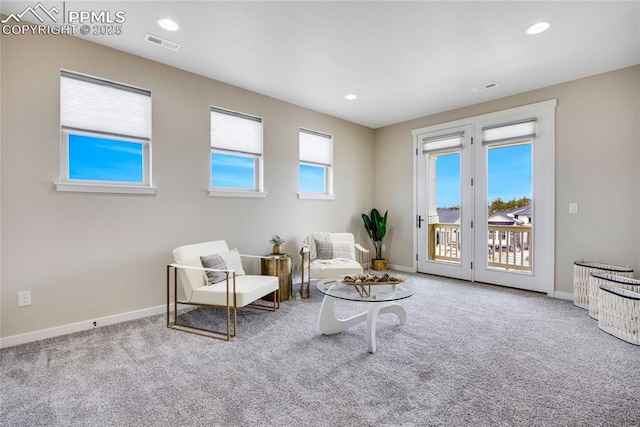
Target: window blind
{"points": [[508, 132], [442, 142], [237, 132], [315, 148], [100, 106]]}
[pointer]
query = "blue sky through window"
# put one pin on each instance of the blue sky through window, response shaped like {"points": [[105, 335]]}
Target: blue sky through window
{"points": [[229, 171], [101, 159], [509, 175], [312, 179], [448, 180]]}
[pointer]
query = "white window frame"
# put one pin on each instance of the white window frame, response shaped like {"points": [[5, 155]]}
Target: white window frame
{"points": [[328, 167], [258, 190], [66, 184]]}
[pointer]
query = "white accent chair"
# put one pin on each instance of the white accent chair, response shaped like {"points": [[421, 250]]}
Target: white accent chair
{"points": [[235, 290], [330, 255]]}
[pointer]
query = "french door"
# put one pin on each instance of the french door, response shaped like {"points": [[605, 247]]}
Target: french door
{"points": [[485, 198], [444, 222]]}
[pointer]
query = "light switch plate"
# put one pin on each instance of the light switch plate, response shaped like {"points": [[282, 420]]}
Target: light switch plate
{"points": [[573, 208]]}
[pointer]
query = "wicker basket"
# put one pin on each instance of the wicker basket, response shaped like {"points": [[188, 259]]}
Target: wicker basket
{"points": [[581, 271], [598, 279], [619, 313]]}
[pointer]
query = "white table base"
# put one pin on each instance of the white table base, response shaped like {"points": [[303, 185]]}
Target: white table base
{"points": [[330, 324]]}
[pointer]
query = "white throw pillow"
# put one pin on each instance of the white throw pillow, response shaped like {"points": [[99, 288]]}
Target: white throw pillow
{"points": [[233, 261], [331, 250]]}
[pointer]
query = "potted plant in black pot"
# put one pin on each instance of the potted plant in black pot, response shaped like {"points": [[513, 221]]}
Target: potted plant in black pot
{"points": [[376, 226]]}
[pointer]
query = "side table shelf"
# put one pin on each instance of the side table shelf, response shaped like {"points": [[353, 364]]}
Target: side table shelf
{"points": [[283, 264]]}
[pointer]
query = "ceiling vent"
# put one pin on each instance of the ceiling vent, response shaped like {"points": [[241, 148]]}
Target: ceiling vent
{"points": [[485, 87], [161, 42]]}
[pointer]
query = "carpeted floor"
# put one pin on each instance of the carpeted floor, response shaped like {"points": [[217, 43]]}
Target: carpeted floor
{"points": [[469, 355]]}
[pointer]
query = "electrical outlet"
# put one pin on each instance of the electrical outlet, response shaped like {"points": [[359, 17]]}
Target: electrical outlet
{"points": [[24, 298]]}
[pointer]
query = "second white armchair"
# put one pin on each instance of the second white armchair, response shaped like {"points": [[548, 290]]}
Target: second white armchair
{"points": [[330, 255]]}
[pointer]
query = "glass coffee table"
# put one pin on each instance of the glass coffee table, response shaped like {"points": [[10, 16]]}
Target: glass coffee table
{"points": [[382, 298]]}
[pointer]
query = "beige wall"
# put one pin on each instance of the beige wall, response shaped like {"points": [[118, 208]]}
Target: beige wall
{"points": [[597, 166], [86, 256]]}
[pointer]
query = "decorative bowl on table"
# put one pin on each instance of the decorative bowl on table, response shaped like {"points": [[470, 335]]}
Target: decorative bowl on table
{"points": [[369, 279]]}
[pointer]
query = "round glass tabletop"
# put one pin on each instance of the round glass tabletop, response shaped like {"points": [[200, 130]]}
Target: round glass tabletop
{"points": [[370, 293]]}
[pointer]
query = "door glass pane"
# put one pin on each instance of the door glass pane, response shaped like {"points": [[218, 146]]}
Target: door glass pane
{"points": [[510, 212], [444, 207]]}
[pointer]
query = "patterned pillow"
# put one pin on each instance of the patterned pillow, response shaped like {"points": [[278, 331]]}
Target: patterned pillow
{"points": [[217, 262], [330, 250], [221, 261]]}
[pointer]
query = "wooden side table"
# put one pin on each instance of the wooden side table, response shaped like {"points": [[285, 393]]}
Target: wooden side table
{"points": [[283, 263]]}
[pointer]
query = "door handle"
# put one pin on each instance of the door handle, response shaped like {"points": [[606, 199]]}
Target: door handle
{"points": [[419, 220]]}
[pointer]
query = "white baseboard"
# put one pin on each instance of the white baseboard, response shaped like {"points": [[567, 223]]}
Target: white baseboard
{"points": [[560, 295], [401, 268], [563, 295], [80, 326]]}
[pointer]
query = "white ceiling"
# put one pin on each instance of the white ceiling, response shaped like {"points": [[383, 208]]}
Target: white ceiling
{"points": [[403, 59]]}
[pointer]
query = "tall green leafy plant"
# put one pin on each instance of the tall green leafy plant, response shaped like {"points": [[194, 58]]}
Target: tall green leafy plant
{"points": [[376, 226]]}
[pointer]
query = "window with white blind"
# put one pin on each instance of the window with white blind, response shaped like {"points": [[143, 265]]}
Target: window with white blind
{"points": [[236, 154], [316, 165], [509, 132], [105, 136]]}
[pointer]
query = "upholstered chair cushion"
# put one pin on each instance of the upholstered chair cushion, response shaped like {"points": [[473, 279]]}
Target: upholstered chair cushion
{"points": [[321, 268]]}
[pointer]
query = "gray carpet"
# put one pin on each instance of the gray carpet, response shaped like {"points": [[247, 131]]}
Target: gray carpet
{"points": [[469, 355]]}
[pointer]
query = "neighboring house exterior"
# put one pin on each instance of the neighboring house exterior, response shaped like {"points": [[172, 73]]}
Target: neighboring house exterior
{"points": [[517, 217], [524, 215], [448, 215]]}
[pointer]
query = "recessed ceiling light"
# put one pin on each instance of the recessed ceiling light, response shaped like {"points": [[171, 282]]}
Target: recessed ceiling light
{"points": [[538, 27], [168, 24], [350, 97]]}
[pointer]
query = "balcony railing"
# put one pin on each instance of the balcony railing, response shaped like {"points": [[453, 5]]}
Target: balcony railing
{"points": [[444, 242], [508, 246]]}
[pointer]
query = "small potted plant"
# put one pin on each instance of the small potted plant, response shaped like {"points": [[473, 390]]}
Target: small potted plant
{"points": [[376, 226], [276, 241]]}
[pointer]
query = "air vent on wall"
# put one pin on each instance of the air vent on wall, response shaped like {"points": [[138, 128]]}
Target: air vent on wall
{"points": [[161, 42], [485, 87]]}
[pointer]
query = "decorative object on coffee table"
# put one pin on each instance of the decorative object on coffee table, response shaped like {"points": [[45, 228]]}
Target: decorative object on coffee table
{"points": [[363, 282], [376, 226]]}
